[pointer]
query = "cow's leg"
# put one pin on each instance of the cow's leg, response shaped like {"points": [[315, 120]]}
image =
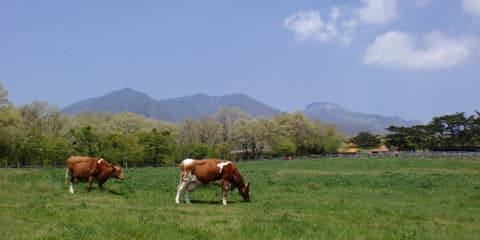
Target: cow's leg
{"points": [[101, 182], [67, 175], [70, 188], [180, 188], [69, 179], [187, 197], [90, 182], [225, 187]]}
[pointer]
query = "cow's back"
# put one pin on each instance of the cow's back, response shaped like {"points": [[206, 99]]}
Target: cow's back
{"points": [[81, 167], [206, 170]]}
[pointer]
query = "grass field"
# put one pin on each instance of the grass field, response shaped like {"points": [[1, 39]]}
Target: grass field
{"points": [[334, 198]]}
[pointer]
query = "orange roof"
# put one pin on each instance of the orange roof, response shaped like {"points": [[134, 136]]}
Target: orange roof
{"points": [[349, 150], [379, 149]]}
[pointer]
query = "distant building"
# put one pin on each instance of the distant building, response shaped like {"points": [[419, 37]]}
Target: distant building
{"points": [[352, 149], [381, 149]]}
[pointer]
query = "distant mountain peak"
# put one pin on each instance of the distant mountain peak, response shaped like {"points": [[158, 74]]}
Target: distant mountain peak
{"points": [[325, 106], [353, 122], [125, 90], [175, 109]]}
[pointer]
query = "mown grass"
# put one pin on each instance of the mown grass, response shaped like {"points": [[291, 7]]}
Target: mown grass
{"points": [[333, 198]]}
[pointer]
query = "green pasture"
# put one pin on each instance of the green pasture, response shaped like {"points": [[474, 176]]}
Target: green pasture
{"points": [[334, 198]]}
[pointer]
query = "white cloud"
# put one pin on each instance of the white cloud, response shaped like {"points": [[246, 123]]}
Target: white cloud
{"points": [[341, 23], [305, 24], [309, 25], [471, 6], [378, 11], [398, 49]]}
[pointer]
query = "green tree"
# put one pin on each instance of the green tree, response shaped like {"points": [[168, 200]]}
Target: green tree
{"points": [[366, 140], [474, 129], [10, 134], [32, 150], [157, 146], [448, 132], [332, 141], [10, 128], [284, 147], [55, 151], [85, 141], [401, 138], [122, 149], [196, 151], [297, 128], [309, 137]]}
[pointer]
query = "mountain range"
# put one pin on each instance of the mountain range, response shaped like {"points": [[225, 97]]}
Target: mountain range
{"points": [[201, 105], [172, 110], [353, 122]]}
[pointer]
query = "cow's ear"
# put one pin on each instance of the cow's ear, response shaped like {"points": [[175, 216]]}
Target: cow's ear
{"points": [[247, 184]]}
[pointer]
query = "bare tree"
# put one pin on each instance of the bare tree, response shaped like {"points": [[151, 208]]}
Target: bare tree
{"points": [[203, 130], [43, 117], [3, 97], [227, 117]]}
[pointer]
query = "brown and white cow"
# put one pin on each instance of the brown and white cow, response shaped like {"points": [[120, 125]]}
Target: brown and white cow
{"points": [[91, 169], [193, 172]]}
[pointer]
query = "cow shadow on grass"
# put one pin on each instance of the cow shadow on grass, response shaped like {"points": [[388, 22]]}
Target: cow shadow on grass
{"points": [[113, 192], [212, 202], [103, 190]]}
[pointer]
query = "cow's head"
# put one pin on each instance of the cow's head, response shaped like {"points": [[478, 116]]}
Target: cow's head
{"points": [[118, 172], [245, 192]]}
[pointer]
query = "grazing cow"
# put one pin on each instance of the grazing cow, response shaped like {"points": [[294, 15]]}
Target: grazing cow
{"points": [[193, 172], [91, 169]]}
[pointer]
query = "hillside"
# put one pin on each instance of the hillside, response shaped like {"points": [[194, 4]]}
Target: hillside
{"points": [[351, 122], [199, 105], [125, 99], [174, 110]]}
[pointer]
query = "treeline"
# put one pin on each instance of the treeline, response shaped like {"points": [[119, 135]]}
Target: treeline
{"points": [[455, 132], [38, 134]]}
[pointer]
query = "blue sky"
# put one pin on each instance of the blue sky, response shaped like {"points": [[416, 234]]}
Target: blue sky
{"points": [[412, 58]]}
